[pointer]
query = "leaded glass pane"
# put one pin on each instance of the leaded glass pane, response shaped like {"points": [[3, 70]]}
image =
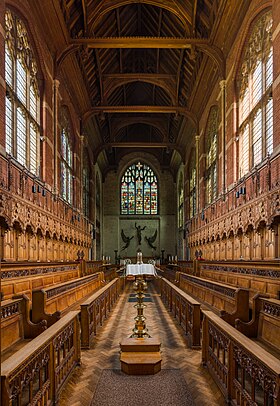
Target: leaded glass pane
{"points": [[21, 137], [9, 126], [269, 70], [66, 157], [257, 138], [21, 82], [8, 66], [269, 126], [139, 191], [33, 148], [33, 102]]}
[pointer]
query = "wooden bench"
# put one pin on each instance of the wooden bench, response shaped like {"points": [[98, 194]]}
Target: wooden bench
{"points": [[95, 309], [15, 322], [245, 372], [47, 304], [22, 278], [184, 308], [217, 295], [265, 323], [258, 277], [37, 373]]}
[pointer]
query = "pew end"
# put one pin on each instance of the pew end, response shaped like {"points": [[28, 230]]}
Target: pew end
{"points": [[38, 313], [242, 308]]}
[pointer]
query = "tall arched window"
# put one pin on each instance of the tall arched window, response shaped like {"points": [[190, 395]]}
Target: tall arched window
{"points": [[22, 112], [255, 97], [139, 190], [192, 187], [181, 203], [86, 185], [66, 160], [211, 155]]}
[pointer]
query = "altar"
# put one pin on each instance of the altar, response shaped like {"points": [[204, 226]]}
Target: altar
{"points": [[140, 269]]}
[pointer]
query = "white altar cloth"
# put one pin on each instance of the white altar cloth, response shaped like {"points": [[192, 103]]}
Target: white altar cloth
{"points": [[140, 269]]}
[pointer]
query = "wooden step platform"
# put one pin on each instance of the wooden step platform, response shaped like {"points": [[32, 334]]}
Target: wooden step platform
{"points": [[140, 356], [140, 345], [140, 363]]}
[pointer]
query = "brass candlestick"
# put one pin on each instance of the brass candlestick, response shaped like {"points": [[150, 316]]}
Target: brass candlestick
{"points": [[140, 330]]}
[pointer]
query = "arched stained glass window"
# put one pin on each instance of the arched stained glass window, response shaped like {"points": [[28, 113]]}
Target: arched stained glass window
{"points": [[139, 190], [22, 105]]}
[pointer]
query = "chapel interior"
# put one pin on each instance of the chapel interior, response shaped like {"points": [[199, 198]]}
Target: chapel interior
{"points": [[140, 202]]}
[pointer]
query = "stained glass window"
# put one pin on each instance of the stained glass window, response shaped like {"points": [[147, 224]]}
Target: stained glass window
{"points": [[139, 190], [22, 106], [255, 97], [66, 161], [211, 155]]}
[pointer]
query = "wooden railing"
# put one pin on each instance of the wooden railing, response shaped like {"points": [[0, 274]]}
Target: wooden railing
{"points": [[36, 374], [47, 303], [184, 308], [245, 373], [95, 309]]}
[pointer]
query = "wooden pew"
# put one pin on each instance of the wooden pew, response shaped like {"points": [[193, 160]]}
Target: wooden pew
{"points": [[15, 322], [265, 323], [36, 374], [95, 309], [22, 278], [245, 372], [217, 295], [47, 304], [184, 308], [259, 277]]}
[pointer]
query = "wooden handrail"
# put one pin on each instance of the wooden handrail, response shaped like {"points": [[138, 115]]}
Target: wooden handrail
{"points": [[38, 371], [238, 365], [95, 309]]}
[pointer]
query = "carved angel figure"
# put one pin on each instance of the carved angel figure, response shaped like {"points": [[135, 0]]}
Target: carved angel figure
{"points": [[126, 240], [151, 240]]}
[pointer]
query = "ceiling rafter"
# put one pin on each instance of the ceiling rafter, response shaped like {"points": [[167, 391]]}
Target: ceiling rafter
{"points": [[148, 42], [179, 10], [139, 145], [142, 109], [161, 125], [166, 82]]}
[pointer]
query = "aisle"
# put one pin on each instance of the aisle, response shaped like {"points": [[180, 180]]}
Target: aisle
{"points": [[104, 353]]}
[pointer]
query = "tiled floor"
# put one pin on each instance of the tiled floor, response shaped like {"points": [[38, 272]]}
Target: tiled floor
{"points": [[104, 353]]}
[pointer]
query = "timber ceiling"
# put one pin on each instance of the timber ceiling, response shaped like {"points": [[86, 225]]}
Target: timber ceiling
{"points": [[140, 62]]}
